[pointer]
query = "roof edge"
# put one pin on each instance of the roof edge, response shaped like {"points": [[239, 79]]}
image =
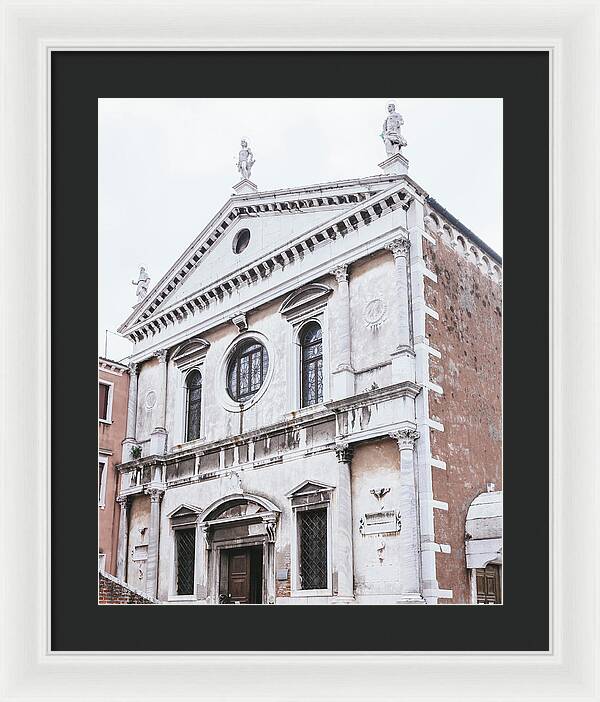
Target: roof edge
{"points": [[463, 229]]}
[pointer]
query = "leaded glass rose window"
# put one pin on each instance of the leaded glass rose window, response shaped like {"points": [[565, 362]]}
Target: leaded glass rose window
{"points": [[247, 370]]}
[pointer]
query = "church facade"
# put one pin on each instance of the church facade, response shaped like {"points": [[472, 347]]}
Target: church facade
{"points": [[315, 404]]}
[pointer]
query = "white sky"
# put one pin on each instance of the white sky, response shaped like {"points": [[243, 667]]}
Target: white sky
{"points": [[165, 166]]}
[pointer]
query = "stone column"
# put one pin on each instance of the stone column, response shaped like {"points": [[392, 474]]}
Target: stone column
{"points": [[342, 538], [409, 530], [132, 400], [123, 538], [403, 358], [158, 438], [156, 495], [343, 373]]}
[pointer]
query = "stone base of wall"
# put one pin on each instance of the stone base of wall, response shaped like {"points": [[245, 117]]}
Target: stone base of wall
{"points": [[113, 591]]}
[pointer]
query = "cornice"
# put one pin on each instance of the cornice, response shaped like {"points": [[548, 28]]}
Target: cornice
{"points": [[356, 217], [104, 364], [390, 392]]}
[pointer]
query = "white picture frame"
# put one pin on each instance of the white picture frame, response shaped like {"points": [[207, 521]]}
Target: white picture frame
{"points": [[569, 30]]}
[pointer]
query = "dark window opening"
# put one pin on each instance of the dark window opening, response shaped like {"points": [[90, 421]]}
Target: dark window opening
{"points": [[311, 342], [186, 551], [241, 240], [194, 404], [103, 391], [247, 370], [312, 528]]}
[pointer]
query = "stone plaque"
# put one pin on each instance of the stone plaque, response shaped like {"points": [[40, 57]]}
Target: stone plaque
{"points": [[282, 574], [140, 553], [384, 522]]}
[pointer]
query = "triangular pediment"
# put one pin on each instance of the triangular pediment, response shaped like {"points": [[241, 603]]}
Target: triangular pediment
{"points": [[309, 487], [184, 511], [281, 227]]}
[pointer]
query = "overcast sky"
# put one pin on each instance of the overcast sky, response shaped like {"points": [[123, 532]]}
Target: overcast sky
{"points": [[165, 166]]}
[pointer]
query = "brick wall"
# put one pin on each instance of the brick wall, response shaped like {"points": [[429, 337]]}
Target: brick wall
{"points": [[113, 591], [469, 336]]}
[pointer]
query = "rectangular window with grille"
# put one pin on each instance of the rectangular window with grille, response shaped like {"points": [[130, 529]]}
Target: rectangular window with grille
{"points": [[185, 540], [312, 535]]}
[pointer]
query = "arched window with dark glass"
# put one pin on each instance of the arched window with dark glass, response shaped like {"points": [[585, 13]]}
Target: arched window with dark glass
{"points": [[311, 344], [193, 385], [247, 370]]}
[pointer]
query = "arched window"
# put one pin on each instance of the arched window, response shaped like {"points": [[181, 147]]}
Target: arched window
{"points": [[311, 343], [193, 384], [247, 370]]}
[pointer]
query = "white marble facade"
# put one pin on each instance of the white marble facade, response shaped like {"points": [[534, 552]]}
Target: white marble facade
{"points": [[345, 255]]}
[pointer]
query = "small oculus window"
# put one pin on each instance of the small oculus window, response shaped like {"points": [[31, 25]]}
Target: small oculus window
{"points": [[247, 370], [241, 240]]}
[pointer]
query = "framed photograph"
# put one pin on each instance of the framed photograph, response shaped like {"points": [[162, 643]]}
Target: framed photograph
{"points": [[340, 287]]}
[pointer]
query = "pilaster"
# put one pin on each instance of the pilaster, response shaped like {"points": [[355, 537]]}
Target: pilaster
{"points": [[123, 538], [343, 549], [403, 357], [409, 549], [343, 372], [158, 437], [156, 495], [132, 400]]}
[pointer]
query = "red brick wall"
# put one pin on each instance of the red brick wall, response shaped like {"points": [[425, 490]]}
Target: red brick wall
{"points": [[111, 591], [469, 336]]}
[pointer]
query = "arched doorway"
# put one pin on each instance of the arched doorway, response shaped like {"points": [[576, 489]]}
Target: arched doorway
{"points": [[239, 534]]}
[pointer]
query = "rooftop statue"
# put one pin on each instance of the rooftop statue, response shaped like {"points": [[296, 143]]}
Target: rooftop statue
{"points": [[143, 283], [245, 160], [391, 135]]}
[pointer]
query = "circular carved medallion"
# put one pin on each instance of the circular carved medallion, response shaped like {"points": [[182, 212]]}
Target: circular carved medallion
{"points": [[150, 399], [374, 313]]}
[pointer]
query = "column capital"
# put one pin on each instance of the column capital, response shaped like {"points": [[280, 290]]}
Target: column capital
{"points": [[132, 369], [161, 354], [156, 494], [123, 501], [344, 452], [340, 272], [399, 247], [405, 437]]}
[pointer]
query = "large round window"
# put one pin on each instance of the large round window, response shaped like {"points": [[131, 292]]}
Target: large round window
{"points": [[247, 370], [241, 240]]}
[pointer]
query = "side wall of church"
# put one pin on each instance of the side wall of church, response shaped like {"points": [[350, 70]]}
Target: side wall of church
{"points": [[468, 335]]}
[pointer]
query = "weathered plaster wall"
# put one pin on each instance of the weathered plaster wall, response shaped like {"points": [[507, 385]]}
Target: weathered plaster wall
{"points": [[373, 331], [139, 521], [469, 336], [110, 437], [375, 465]]}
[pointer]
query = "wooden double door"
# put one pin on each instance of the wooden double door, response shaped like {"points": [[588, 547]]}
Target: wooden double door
{"points": [[242, 581]]}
